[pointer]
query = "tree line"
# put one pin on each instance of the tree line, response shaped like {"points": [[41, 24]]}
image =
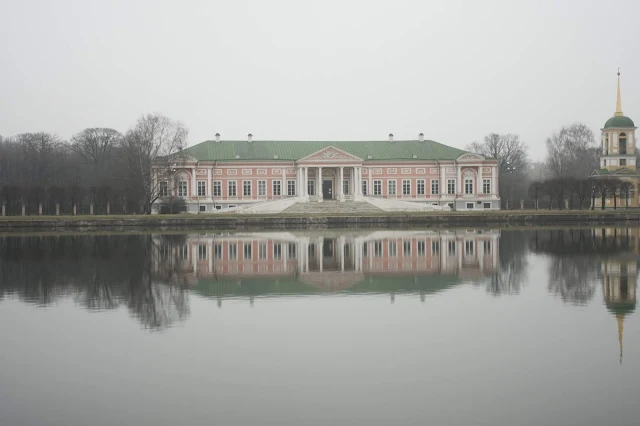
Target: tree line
{"points": [[560, 181], [98, 168]]}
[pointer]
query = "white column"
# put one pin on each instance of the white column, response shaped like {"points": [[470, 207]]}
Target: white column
{"points": [[305, 183], [319, 186], [341, 184], [480, 182], [209, 183], [194, 191], [319, 252], [494, 181], [210, 256], [459, 184], [298, 181], [285, 255], [356, 183], [444, 187], [283, 188], [481, 253]]}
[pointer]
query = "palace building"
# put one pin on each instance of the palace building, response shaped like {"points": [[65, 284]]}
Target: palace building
{"points": [[618, 157], [263, 264], [272, 176]]}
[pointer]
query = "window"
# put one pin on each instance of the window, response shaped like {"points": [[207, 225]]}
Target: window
{"points": [[468, 186], [164, 189], [262, 188], [451, 187], [291, 188], [468, 248], [246, 188], [217, 189], [435, 248], [470, 206], [486, 186], [486, 245], [422, 248], [364, 187], [452, 248], [262, 251], [365, 249], [247, 251], [377, 248], [406, 248], [311, 187], [377, 187], [276, 188], [487, 205], [202, 252], [217, 251], [312, 250], [203, 208], [623, 161], [202, 188], [435, 187], [182, 188], [184, 252], [406, 187], [393, 248], [277, 251], [391, 187], [345, 187], [233, 251], [164, 252], [231, 191], [292, 250]]}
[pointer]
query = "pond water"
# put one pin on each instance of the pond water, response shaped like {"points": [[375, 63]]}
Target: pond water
{"points": [[357, 327]]}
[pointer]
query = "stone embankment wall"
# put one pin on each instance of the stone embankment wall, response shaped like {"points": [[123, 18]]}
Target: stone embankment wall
{"points": [[301, 222]]}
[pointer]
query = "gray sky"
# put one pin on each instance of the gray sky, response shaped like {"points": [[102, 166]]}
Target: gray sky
{"points": [[344, 69]]}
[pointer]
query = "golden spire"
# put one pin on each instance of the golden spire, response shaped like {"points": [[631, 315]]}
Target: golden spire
{"points": [[618, 102], [620, 318]]}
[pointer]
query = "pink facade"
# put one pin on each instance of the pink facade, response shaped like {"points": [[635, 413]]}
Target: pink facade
{"points": [[469, 182]]}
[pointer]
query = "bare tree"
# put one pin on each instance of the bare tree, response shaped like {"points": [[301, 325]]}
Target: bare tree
{"points": [[507, 148], [572, 152], [535, 192], [582, 190], [95, 145], [149, 150], [625, 191]]}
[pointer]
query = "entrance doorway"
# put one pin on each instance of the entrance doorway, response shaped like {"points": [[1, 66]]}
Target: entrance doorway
{"points": [[327, 189]]}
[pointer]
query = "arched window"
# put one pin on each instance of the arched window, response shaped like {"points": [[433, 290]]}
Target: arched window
{"points": [[622, 143]]}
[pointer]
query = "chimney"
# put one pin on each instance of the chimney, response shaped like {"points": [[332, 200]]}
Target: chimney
{"points": [[390, 137], [421, 137], [217, 137], [250, 138]]}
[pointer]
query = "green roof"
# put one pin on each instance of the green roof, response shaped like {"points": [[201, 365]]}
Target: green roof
{"points": [[295, 150], [373, 284], [621, 308], [619, 121]]}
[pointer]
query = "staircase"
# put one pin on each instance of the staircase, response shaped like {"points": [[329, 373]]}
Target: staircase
{"points": [[332, 207]]}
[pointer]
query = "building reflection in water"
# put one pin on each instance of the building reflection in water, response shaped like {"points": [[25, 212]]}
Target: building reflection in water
{"points": [[251, 264], [620, 276]]}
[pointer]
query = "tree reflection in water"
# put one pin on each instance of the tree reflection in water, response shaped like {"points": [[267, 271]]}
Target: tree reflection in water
{"points": [[99, 272], [576, 257]]}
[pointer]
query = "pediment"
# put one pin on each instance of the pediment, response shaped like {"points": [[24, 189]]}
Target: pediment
{"points": [[625, 171], [470, 157], [331, 154]]}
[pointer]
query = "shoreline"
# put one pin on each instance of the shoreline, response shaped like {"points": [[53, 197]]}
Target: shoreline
{"points": [[284, 221]]}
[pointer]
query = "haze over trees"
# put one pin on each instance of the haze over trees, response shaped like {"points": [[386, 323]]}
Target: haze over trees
{"points": [[97, 166]]}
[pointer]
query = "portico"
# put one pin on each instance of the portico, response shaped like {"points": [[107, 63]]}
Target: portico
{"points": [[330, 174]]}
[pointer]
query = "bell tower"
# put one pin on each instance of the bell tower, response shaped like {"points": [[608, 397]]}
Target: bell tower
{"points": [[618, 140]]}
